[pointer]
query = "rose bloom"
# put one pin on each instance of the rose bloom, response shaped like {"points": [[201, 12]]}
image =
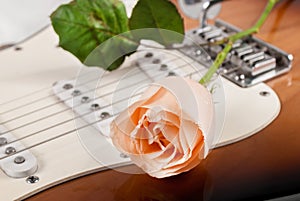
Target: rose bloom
{"points": [[166, 131]]}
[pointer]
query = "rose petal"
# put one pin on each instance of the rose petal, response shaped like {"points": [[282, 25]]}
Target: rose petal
{"points": [[183, 167], [166, 131], [166, 101]]}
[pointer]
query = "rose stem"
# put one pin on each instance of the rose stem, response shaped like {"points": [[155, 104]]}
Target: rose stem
{"points": [[222, 55]]}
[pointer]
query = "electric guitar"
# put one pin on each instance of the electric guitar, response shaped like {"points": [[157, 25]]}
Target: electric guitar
{"points": [[50, 150]]}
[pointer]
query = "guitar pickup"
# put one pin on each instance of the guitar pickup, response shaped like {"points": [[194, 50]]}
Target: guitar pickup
{"points": [[250, 61], [12, 163]]}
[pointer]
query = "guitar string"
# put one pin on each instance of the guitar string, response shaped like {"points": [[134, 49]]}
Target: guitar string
{"points": [[48, 106], [30, 94], [56, 113], [66, 121], [79, 116], [49, 140], [61, 123], [63, 134], [24, 96], [67, 109], [53, 114], [51, 95], [55, 103]]}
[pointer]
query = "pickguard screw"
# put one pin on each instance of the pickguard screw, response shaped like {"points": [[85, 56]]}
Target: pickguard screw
{"points": [[122, 155], [264, 93], [18, 48], [10, 150], [32, 179], [3, 141], [19, 160], [76, 92], [67, 86]]}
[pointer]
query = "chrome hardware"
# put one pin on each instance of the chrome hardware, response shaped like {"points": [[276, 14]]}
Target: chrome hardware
{"points": [[10, 150], [122, 155], [215, 39], [76, 92], [251, 57], [95, 106], [212, 34], [264, 93], [148, 55], [156, 61], [19, 160], [3, 141], [237, 44], [14, 165], [106, 106], [200, 9], [242, 51], [198, 52], [171, 73], [67, 86], [85, 99], [32, 179], [205, 8], [250, 61], [262, 66], [104, 115], [203, 30], [163, 67]]}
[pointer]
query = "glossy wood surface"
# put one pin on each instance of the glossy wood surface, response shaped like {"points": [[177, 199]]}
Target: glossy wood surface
{"points": [[265, 165]]}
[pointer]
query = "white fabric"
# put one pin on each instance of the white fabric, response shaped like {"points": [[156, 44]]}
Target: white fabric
{"points": [[19, 19]]}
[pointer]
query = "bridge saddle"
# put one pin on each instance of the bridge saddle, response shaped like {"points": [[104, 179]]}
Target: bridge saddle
{"points": [[251, 60]]}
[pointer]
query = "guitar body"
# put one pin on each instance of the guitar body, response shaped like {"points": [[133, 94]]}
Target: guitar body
{"points": [[262, 166]]}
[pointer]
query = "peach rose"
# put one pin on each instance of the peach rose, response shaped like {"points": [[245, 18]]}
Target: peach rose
{"points": [[166, 131]]}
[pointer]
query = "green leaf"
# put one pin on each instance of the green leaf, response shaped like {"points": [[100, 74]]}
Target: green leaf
{"points": [[83, 25], [159, 14], [107, 55]]}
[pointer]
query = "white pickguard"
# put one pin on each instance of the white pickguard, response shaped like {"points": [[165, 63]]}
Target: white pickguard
{"points": [[39, 64]]}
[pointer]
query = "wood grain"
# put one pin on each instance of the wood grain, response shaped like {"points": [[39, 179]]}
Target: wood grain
{"points": [[265, 165]]}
